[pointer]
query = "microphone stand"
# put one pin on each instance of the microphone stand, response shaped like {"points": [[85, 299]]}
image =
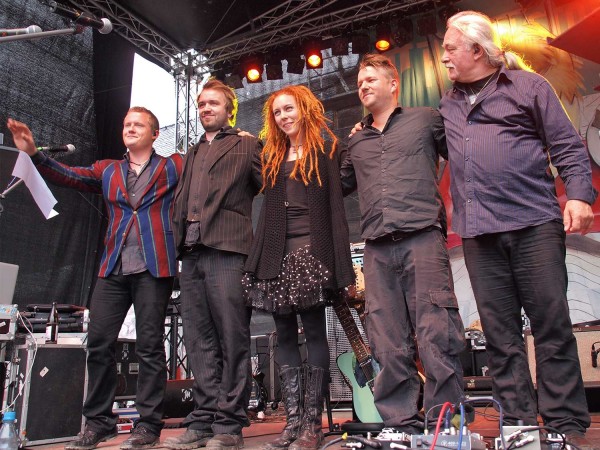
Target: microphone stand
{"points": [[20, 37], [6, 191]]}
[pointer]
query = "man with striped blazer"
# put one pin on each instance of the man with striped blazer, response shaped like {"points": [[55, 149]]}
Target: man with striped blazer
{"points": [[137, 267], [213, 232]]}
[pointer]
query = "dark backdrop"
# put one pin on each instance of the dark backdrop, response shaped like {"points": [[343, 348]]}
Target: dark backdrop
{"points": [[68, 89]]}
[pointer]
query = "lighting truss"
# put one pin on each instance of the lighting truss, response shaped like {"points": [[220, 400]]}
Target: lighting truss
{"points": [[141, 34]]}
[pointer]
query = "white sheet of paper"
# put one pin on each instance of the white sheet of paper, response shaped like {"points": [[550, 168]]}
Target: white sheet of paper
{"points": [[25, 169]]}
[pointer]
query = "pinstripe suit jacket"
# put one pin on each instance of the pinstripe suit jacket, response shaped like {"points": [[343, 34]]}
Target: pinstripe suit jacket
{"points": [[151, 216], [231, 181]]}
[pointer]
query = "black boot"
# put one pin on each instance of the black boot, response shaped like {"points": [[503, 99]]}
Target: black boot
{"points": [[291, 389], [311, 433]]}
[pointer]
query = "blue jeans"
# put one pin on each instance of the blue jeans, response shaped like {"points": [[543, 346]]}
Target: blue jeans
{"points": [[216, 332], [526, 269], [409, 291], [110, 302]]}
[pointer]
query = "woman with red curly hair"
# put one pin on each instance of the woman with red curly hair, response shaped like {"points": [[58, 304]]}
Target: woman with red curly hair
{"points": [[300, 257]]}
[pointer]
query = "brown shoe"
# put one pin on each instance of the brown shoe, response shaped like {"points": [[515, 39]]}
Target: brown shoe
{"points": [[225, 442], [89, 439], [581, 442], [141, 437], [189, 440]]}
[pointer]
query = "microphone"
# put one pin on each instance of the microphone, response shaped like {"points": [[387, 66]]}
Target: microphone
{"points": [[18, 31], [69, 148], [104, 26]]}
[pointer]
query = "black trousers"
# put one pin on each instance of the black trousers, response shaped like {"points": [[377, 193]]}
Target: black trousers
{"points": [[216, 332], [526, 269], [111, 300]]}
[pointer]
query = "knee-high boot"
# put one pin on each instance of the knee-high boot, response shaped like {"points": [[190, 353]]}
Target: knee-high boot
{"points": [[291, 388], [311, 433]]}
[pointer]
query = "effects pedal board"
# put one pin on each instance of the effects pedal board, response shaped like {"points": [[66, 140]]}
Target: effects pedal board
{"points": [[470, 441]]}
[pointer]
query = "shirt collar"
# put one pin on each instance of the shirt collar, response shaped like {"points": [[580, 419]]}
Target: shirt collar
{"points": [[505, 73], [368, 119], [220, 135], [126, 155]]}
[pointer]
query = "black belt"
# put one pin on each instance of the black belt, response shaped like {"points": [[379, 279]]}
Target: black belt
{"points": [[399, 235], [189, 248]]}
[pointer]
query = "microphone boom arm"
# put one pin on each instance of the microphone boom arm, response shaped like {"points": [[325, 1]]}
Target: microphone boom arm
{"points": [[64, 31]]}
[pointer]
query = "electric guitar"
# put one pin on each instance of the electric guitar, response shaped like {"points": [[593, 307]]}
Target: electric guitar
{"points": [[357, 366]]}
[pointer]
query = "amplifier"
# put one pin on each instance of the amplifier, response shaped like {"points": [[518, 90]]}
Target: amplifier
{"points": [[587, 337]]}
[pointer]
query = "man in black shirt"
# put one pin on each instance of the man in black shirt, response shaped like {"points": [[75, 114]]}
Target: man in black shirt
{"points": [[393, 161]]}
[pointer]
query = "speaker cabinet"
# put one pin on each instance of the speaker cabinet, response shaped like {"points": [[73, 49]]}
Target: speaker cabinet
{"points": [[338, 342], [128, 369], [586, 338], [48, 386]]}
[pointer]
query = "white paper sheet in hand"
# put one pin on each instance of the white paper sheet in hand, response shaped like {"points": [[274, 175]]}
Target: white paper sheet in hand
{"points": [[25, 169]]}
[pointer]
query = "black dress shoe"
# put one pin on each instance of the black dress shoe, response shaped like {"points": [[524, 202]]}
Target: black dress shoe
{"points": [[141, 437], [89, 439]]}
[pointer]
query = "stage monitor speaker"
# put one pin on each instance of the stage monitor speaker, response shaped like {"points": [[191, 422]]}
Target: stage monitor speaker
{"points": [[50, 407], [587, 337], [179, 401]]}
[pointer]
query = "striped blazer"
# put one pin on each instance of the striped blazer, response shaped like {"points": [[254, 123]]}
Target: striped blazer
{"points": [[152, 216]]}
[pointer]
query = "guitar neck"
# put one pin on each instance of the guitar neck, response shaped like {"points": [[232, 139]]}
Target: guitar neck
{"points": [[360, 349]]}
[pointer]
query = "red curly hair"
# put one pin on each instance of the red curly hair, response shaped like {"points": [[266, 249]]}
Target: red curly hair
{"points": [[312, 120]]}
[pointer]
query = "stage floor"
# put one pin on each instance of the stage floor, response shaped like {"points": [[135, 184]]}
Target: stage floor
{"points": [[260, 432]]}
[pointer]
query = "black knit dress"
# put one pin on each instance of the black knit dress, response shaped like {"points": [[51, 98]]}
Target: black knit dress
{"points": [[296, 262]]}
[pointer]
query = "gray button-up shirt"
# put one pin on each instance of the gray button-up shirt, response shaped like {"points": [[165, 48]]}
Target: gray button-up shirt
{"points": [[396, 172]]}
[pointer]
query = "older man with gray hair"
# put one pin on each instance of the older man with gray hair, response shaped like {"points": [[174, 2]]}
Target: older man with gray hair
{"points": [[504, 127]]}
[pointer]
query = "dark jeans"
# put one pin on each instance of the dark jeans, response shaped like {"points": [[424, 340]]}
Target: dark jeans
{"points": [[110, 302], [216, 332], [526, 269], [409, 290]]}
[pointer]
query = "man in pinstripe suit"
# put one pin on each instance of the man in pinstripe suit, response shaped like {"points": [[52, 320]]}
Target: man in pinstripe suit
{"points": [[213, 233], [137, 267]]}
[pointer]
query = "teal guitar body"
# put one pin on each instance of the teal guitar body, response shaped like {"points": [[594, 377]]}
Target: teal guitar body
{"points": [[362, 396]]}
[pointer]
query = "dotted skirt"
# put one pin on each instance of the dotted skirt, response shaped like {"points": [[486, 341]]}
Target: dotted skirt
{"points": [[298, 287]]}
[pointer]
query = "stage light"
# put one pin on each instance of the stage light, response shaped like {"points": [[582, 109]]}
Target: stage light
{"points": [[274, 71], [234, 80], [295, 65], [313, 56], [383, 37], [361, 43], [253, 69], [339, 46], [404, 32], [314, 59]]}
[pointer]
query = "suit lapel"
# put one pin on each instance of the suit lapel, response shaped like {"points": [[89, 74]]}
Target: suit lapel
{"points": [[156, 166], [121, 177], [220, 147]]}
